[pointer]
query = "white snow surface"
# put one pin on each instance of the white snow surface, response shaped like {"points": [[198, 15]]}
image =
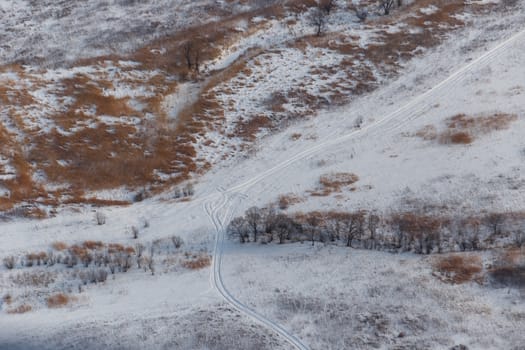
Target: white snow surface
{"points": [[477, 72]]}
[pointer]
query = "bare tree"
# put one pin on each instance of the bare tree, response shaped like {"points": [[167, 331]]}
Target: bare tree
{"points": [[362, 14], [150, 262], [269, 221], [187, 49], [334, 226], [313, 220], [253, 218], [9, 262], [283, 226], [372, 223], [238, 227], [317, 19], [134, 232], [177, 242], [386, 5], [519, 238], [495, 222], [139, 248], [192, 52], [353, 224], [327, 5]]}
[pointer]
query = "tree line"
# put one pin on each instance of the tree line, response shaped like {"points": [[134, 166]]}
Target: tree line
{"points": [[417, 232]]}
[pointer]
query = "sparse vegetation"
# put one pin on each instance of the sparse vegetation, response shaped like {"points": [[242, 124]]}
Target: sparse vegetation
{"points": [[58, 300], [335, 182], [90, 262], [458, 269], [197, 262], [463, 129], [9, 262], [100, 218], [20, 309]]}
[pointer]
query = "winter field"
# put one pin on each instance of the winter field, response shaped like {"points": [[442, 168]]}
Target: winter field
{"points": [[215, 175]]}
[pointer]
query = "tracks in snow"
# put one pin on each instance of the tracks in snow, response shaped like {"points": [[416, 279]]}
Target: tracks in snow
{"points": [[218, 206], [215, 209]]}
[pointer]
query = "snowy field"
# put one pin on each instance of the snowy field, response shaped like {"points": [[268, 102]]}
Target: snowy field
{"points": [[290, 296], [341, 298]]}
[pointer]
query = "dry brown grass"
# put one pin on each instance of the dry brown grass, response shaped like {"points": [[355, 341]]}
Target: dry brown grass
{"points": [[197, 262], [60, 246], [286, 200], [458, 137], [509, 268], [115, 248], [248, 129], [20, 309], [34, 279], [463, 129], [58, 300], [93, 245], [108, 156], [459, 268], [335, 182], [295, 136]]}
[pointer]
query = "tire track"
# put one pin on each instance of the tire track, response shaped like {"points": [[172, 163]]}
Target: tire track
{"points": [[214, 213]]}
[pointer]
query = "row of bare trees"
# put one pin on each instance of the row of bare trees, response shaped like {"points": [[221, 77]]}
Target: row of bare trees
{"points": [[318, 15], [407, 231]]}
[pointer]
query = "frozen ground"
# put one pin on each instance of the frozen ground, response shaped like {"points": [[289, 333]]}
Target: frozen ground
{"points": [[340, 298], [365, 291], [61, 32]]}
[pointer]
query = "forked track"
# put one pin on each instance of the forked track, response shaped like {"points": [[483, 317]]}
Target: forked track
{"points": [[213, 204]]}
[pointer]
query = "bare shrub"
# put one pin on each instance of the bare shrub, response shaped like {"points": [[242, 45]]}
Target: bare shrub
{"points": [[7, 298], [100, 218], [285, 200], [59, 246], [177, 241], [197, 262], [334, 183], [188, 190], [150, 262], [9, 262], [462, 129], [495, 222], [21, 309], [509, 276], [509, 269], [386, 6], [58, 300], [362, 14], [101, 275], [459, 137], [93, 245], [456, 268], [134, 232]]}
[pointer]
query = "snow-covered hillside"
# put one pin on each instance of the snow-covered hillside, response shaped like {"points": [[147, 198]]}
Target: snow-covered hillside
{"points": [[426, 107]]}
